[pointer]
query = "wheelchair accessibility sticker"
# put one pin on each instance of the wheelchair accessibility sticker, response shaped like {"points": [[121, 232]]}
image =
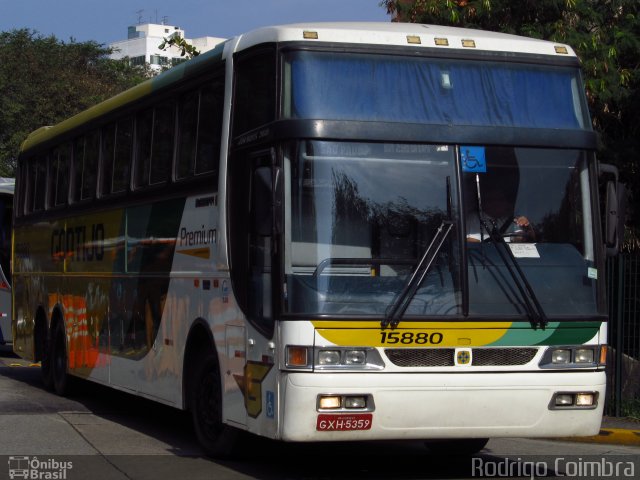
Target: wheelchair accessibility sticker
{"points": [[473, 159]]}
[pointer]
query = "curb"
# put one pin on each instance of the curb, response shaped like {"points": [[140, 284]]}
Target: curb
{"points": [[618, 436]]}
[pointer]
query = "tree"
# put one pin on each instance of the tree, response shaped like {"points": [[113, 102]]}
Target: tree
{"points": [[604, 33], [186, 49], [44, 80]]}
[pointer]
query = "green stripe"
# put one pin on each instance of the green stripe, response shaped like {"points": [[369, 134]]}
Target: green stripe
{"points": [[555, 333]]}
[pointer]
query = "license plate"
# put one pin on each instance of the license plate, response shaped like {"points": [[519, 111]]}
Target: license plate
{"points": [[344, 422]]}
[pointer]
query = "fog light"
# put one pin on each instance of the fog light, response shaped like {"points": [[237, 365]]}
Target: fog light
{"points": [[584, 355], [584, 399], [330, 402], [355, 402], [564, 400], [561, 356], [328, 357], [355, 357]]}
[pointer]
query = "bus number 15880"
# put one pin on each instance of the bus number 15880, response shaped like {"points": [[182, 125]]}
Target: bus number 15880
{"points": [[411, 338]]}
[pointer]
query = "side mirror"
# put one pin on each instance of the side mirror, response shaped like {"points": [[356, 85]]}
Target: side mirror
{"points": [[615, 210]]}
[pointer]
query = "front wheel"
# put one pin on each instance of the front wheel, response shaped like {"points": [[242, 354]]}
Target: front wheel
{"points": [[216, 438], [457, 446]]}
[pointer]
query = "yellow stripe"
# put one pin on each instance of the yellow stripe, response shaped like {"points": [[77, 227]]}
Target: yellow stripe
{"points": [[47, 133]]}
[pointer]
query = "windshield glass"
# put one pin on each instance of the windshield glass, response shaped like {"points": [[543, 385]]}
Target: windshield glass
{"points": [[426, 90], [538, 201], [359, 216]]}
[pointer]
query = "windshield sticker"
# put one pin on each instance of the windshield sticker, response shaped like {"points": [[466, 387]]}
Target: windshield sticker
{"points": [[473, 159], [592, 273], [524, 250]]}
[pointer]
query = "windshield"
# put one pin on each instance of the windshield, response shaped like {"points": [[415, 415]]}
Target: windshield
{"points": [[359, 216]]}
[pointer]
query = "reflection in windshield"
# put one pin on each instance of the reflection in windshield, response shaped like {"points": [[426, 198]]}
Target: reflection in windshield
{"points": [[365, 213]]}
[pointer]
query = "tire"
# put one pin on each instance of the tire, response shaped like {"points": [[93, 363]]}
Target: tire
{"points": [[457, 447], [216, 439], [59, 360], [45, 358]]}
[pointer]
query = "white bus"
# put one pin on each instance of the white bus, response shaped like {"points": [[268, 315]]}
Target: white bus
{"points": [[6, 216], [277, 236]]}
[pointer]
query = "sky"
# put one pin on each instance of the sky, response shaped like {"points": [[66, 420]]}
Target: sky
{"points": [[106, 21]]}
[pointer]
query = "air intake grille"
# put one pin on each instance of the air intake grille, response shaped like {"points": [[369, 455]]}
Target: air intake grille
{"points": [[444, 357], [489, 357], [421, 357]]}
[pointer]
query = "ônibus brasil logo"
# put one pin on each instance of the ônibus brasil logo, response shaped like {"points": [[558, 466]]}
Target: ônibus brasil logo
{"points": [[36, 469]]}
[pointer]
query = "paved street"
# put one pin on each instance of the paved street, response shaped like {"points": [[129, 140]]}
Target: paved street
{"points": [[112, 435]]}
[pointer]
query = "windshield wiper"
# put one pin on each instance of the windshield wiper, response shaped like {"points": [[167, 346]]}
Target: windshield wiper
{"points": [[402, 301], [530, 301]]}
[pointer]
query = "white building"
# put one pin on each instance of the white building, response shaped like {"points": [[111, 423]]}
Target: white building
{"points": [[144, 40]]}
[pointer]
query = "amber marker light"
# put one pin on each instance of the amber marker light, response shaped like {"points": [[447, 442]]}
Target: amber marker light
{"points": [[297, 356], [603, 354]]}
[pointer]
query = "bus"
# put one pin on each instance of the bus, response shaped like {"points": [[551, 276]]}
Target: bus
{"points": [[277, 237], [6, 216]]}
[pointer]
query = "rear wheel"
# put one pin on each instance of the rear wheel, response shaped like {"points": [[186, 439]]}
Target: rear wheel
{"points": [[44, 348], [59, 368], [457, 446], [216, 438]]}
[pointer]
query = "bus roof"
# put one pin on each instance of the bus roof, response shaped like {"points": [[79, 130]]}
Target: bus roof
{"points": [[404, 34], [382, 33]]}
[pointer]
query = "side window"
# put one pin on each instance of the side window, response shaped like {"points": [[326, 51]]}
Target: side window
{"points": [[188, 119], [36, 183], [60, 175], [144, 139], [255, 91], [200, 120], [117, 141], [89, 161], [155, 129], [209, 127], [164, 127], [122, 155], [108, 152]]}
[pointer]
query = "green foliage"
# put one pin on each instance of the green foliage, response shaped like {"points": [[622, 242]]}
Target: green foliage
{"points": [[186, 49], [604, 33], [44, 80]]}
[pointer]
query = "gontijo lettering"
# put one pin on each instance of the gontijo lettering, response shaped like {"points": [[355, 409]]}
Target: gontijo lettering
{"points": [[80, 243]]}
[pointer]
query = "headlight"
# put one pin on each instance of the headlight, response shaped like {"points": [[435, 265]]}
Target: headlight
{"points": [[341, 358], [329, 357], [584, 355], [561, 356], [355, 357], [572, 357]]}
